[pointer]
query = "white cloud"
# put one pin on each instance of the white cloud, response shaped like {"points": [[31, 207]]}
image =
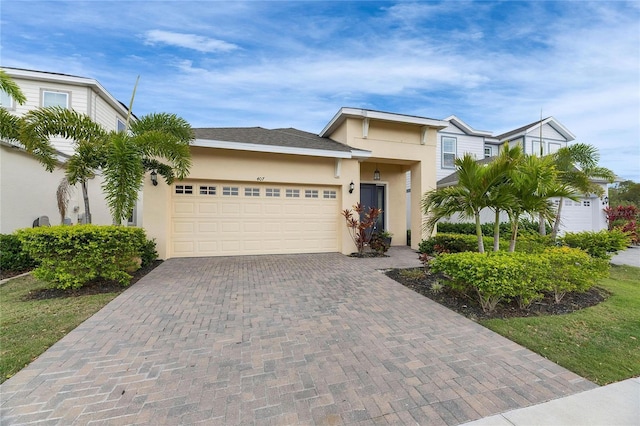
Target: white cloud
{"points": [[188, 41]]}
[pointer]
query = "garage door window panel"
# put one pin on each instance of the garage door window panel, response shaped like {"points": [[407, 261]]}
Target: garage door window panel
{"points": [[184, 189], [207, 190], [252, 192], [230, 191]]}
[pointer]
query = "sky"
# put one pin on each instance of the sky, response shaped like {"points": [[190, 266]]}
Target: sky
{"points": [[495, 65]]}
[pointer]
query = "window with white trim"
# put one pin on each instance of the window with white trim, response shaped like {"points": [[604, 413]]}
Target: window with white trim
{"points": [[207, 190], [537, 147], [231, 191], [448, 152], [184, 189], [329, 194], [52, 98], [554, 147], [6, 101], [310, 193], [121, 126], [488, 151], [272, 192], [292, 193], [252, 192]]}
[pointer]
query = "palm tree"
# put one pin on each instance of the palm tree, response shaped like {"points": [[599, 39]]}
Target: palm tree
{"points": [[502, 196], [468, 197], [158, 142], [577, 167], [9, 123], [88, 137], [533, 182], [152, 139]]}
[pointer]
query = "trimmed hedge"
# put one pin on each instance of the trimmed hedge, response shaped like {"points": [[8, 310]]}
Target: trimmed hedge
{"points": [[12, 255], [498, 276], [603, 244], [71, 256], [458, 243], [468, 228]]}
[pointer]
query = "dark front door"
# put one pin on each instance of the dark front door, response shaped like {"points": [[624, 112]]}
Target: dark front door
{"points": [[372, 195]]}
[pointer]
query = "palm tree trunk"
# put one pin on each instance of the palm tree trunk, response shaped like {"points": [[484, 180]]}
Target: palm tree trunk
{"points": [[85, 196], [514, 235], [496, 232], [479, 233], [542, 225], [556, 223]]}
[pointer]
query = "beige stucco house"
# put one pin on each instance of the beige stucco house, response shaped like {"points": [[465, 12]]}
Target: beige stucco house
{"points": [[27, 190], [259, 191]]}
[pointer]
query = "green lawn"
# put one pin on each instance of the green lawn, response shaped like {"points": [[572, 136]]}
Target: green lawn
{"points": [[29, 327], [601, 343]]}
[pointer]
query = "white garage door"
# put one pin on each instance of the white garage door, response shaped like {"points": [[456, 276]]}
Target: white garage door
{"points": [[577, 216], [236, 218]]}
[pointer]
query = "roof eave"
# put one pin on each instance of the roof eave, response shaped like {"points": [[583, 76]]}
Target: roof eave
{"points": [[278, 149], [345, 113]]}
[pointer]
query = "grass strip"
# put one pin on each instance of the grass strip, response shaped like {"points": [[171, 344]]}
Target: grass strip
{"points": [[30, 327], [601, 343]]}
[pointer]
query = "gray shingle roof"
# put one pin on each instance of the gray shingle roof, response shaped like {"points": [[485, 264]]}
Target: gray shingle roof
{"points": [[274, 137], [520, 129]]}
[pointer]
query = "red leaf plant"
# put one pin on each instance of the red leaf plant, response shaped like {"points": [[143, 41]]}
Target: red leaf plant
{"points": [[359, 224]]}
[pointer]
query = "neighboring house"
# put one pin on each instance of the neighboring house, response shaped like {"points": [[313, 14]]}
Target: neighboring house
{"points": [[259, 191], [540, 137], [27, 190]]}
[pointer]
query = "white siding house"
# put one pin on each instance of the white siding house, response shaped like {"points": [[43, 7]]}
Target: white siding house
{"points": [[27, 190], [543, 136]]}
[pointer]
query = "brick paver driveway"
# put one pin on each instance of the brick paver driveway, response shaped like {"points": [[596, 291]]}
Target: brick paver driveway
{"points": [[301, 339]]}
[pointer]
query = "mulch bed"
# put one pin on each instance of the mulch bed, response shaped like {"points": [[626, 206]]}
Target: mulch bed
{"points": [[97, 286], [470, 308]]}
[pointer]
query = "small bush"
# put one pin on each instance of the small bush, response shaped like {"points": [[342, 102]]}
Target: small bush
{"points": [[449, 243], [12, 256], [533, 243], [525, 227], [525, 277], [572, 269], [493, 276], [602, 245], [148, 252], [71, 256]]}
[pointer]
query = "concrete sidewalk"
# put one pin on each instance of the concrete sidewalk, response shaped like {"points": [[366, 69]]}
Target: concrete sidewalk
{"points": [[617, 404], [630, 256]]}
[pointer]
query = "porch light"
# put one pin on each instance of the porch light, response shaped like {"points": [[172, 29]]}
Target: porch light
{"points": [[605, 200], [154, 178], [376, 174], [351, 187]]}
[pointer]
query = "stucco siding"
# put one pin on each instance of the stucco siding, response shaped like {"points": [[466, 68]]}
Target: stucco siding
{"points": [[28, 191]]}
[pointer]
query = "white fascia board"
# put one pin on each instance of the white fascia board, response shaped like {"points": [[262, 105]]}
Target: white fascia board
{"points": [[71, 80], [343, 113], [561, 129], [360, 154], [466, 128], [274, 149]]}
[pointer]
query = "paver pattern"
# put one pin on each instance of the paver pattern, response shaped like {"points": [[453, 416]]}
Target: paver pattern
{"points": [[319, 339]]}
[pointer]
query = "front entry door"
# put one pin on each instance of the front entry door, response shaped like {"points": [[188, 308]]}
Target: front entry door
{"points": [[372, 195]]}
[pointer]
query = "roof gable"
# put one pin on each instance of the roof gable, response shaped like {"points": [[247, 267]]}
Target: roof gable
{"points": [[532, 127]]}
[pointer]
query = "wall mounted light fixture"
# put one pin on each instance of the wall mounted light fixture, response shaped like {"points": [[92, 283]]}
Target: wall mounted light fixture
{"points": [[605, 200], [376, 174], [154, 178], [351, 187]]}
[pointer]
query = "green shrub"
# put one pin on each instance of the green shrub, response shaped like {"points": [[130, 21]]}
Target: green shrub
{"points": [[494, 276], [71, 256], [525, 227], [12, 256], [603, 244], [148, 252], [572, 269], [533, 243], [449, 243]]}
